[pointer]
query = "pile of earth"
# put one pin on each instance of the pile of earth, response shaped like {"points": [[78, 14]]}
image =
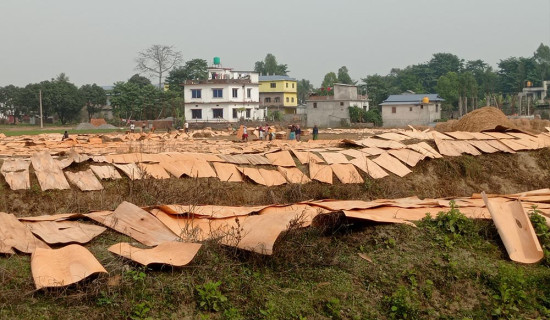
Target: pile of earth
{"points": [[486, 118]]}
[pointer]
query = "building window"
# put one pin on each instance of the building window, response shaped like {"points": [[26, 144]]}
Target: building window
{"points": [[267, 100], [196, 113], [217, 93], [410, 108], [315, 104], [287, 99], [421, 106], [277, 99], [341, 103], [292, 99], [249, 92], [393, 109], [235, 113], [273, 85], [235, 92], [292, 85], [436, 108], [287, 84], [217, 113], [196, 93], [248, 113]]}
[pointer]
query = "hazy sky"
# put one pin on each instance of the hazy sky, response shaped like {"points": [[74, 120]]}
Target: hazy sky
{"points": [[97, 41]]}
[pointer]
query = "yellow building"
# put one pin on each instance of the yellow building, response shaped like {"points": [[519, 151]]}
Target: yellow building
{"points": [[279, 93]]}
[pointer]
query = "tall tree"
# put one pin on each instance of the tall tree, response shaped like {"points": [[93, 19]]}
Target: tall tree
{"points": [[141, 81], [542, 59], [62, 97], [343, 76], [157, 60], [9, 105], [379, 88], [329, 80], [94, 97], [447, 88], [305, 88], [133, 102], [195, 69], [270, 66]]}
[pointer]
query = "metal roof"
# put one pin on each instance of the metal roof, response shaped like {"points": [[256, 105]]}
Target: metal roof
{"points": [[276, 78], [395, 99]]}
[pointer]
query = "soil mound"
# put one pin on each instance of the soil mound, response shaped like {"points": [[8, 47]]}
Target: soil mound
{"points": [[486, 118]]}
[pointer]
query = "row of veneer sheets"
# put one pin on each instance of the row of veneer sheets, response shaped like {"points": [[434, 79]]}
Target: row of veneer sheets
{"points": [[164, 227]]}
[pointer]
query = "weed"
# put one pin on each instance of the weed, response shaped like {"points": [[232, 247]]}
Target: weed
{"points": [[269, 310], [452, 225], [140, 311], [332, 308], [232, 314], [509, 286], [210, 298], [105, 300], [542, 230], [403, 304], [136, 275]]}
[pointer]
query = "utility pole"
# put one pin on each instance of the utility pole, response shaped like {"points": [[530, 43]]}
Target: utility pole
{"points": [[41, 116]]}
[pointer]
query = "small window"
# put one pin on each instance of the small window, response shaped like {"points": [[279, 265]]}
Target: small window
{"points": [[292, 99], [235, 113], [273, 85], [235, 92], [217, 113], [341, 103], [287, 84], [393, 109], [249, 92], [315, 104], [410, 108], [196, 113], [248, 113], [292, 85], [436, 108], [267, 100], [217, 93], [277, 99], [421, 106], [196, 93], [287, 99]]}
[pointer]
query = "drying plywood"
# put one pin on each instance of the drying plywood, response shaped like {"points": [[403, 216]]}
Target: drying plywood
{"points": [[391, 164], [354, 153], [464, 147], [15, 235], [439, 135], [137, 223], [446, 148], [515, 230], [306, 157], [499, 146], [334, 157], [460, 135], [62, 232], [483, 146], [253, 174], [293, 175], [281, 158], [272, 177], [393, 136], [209, 211], [514, 145], [481, 136], [407, 156], [84, 180], [16, 173], [62, 267], [346, 173], [131, 170], [499, 135], [227, 172], [153, 170], [256, 159], [106, 172], [419, 135], [372, 215], [379, 143], [373, 151], [48, 172], [176, 254], [320, 172], [369, 167]]}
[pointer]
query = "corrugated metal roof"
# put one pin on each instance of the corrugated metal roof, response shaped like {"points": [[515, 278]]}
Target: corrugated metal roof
{"points": [[410, 98], [276, 78]]}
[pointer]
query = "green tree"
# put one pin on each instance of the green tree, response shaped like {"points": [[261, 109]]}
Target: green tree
{"points": [[447, 88], [132, 102], [542, 59], [9, 102], [379, 88], [195, 69], [270, 66], [141, 81], [343, 76], [62, 97], [329, 80], [305, 88], [94, 97], [157, 60]]}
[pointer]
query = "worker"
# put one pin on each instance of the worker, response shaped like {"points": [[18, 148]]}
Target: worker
{"points": [[65, 136], [315, 132]]}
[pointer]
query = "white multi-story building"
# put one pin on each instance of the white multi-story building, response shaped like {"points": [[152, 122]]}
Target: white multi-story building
{"points": [[227, 95]]}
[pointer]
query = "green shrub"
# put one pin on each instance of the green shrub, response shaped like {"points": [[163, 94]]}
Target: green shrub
{"points": [[542, 230], [210, 298], [403, 304]]}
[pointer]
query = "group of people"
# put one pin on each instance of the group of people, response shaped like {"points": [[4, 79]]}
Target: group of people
{"points": [[265, 132]]}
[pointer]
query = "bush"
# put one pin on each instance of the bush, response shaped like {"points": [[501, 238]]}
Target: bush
{"points": [[357, 114], [210, 298]]}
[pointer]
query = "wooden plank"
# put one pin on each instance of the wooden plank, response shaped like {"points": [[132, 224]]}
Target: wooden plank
{"points": [[407, 156], [334, 157], [391, 164], [281, 158], [293, 175], [346, 173], [320, 172], [227, 172], [84, 180], [369, 167]]}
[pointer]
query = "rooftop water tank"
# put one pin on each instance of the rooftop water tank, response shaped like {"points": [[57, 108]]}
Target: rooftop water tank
{"points": [[217, 61], [425, 100], [529, 84]]}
